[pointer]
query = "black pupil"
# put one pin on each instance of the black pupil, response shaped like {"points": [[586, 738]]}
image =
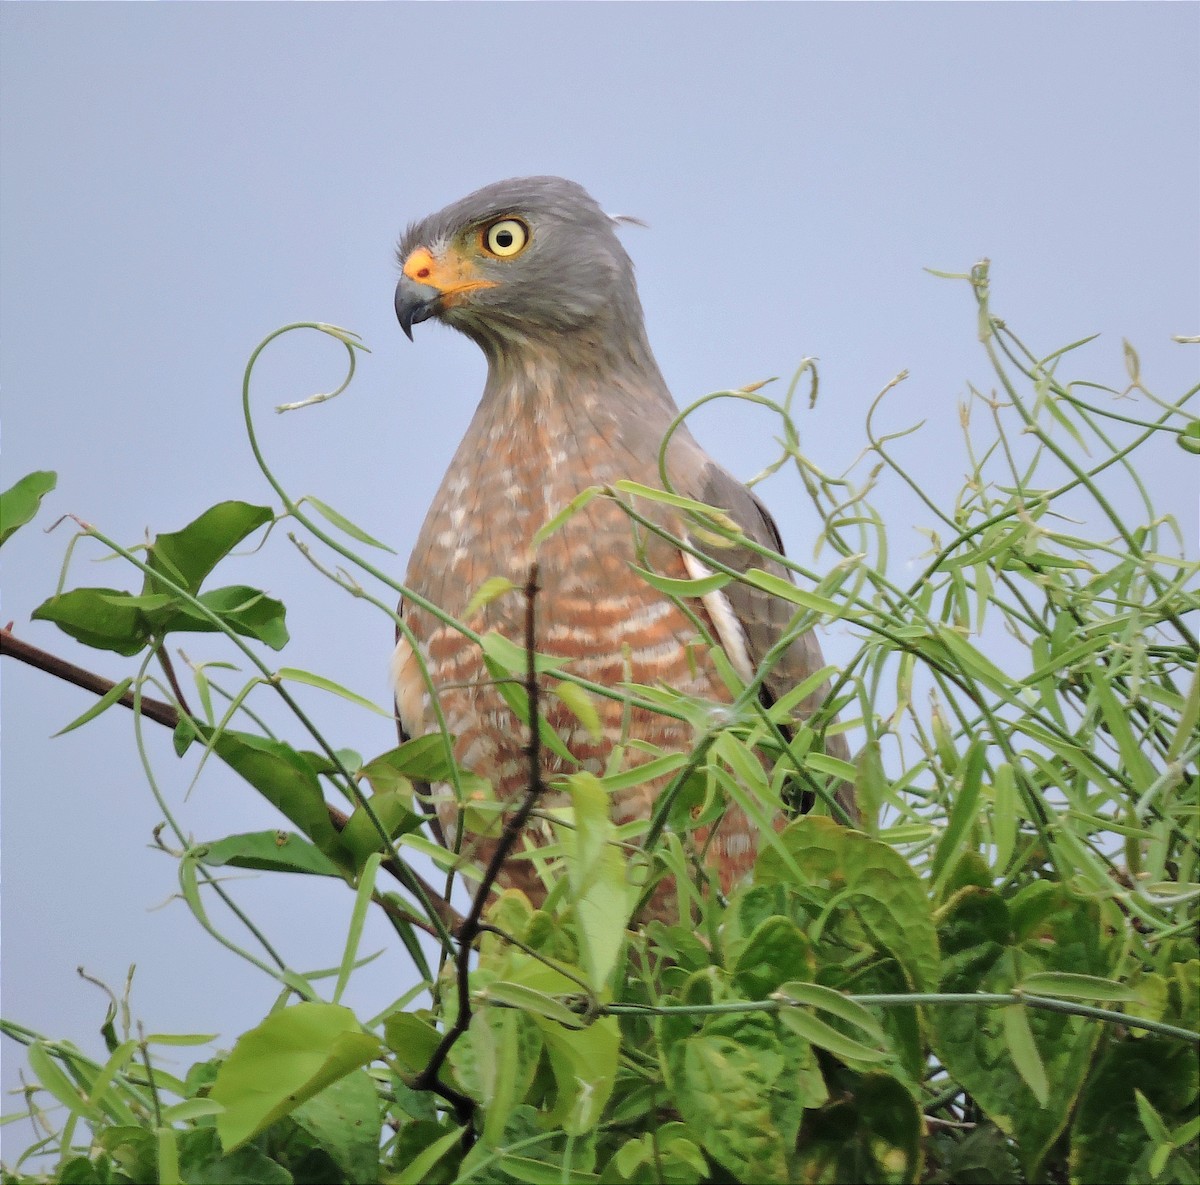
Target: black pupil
{"points": [[504, 238]]}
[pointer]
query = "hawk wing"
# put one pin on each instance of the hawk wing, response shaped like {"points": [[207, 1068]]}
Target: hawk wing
{"points": [[749, 621]]}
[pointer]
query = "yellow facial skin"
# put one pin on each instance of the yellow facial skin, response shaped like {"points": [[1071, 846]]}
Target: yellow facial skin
{"points": [[453, 273]]}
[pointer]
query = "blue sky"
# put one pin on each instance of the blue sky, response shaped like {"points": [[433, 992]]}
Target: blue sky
{"points": [[179, 180]]}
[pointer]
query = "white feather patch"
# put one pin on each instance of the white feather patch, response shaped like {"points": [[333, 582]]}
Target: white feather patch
{"points": [[729, 629]]}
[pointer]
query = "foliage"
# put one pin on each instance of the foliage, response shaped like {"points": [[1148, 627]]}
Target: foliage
{"points": [[994, 980]]}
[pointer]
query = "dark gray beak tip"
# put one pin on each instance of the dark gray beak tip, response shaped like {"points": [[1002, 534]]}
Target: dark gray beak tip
{"points": [[414, 303]]}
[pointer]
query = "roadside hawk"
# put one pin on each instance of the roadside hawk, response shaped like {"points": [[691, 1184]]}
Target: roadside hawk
{"points": [[532, 271]]}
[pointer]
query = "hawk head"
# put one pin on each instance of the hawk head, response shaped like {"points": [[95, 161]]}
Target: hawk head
{"points": [[531, 260]]}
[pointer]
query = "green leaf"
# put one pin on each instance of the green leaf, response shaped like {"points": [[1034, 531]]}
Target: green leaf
{"points": [[1074, 987], [511, 658], [962, 814], [780, 586], [567, 512], [505, 661], [835, 1003], [776, 951], [50, 1074], [423, 759], [487, 592], [97, 617], [1006, 1063], [411, 1039], [244, 610], [874, 886], [1109, 1140], [600, 891], [294, 675], [393, 809], [20, 502], [1189, 438], [723, 1089], [581, 706], [284, 1061], [189, 555], [346, 1122], [584, 1064], [870, 1132], [700, 587], [531, 1001], [345, 525], [817, 1032], [281, 775], [106, 701], [269, 852], [418, 1169], [201, 1159], [1021, 1047]]}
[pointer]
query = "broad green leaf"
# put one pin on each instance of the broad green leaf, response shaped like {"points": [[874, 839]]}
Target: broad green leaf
{"points": [[20, 502], [284, 1061], [244, 610], [723, 1090], [193, 552], [422, 759], [345, 1120], [873, 885], [93, 617], [871, 1132], [282, 776], [776, 951], [411, 1039], [990, 945], [201, 1158], [393, 809], [1189, 437], [271, 851], [106, 701], [1109, 1141], [584, 1064]]}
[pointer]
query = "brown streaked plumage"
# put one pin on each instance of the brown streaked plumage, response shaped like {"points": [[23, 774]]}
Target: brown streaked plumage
{"points": [[531, 269]]}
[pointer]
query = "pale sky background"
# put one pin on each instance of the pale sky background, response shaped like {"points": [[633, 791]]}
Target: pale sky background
{"points": [[179, 180]]}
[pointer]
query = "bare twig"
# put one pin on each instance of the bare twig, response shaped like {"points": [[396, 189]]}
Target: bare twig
{"points": [[428, 1078], [153, 709]]}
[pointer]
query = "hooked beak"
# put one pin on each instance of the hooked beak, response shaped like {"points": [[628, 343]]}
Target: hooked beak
{"points": [[415, 302]]}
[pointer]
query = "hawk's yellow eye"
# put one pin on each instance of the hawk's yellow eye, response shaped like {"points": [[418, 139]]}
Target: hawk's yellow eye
{"points": [[506, 238]]}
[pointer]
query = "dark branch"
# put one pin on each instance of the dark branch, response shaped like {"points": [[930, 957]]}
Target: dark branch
{"points": [[428, 1078]]}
